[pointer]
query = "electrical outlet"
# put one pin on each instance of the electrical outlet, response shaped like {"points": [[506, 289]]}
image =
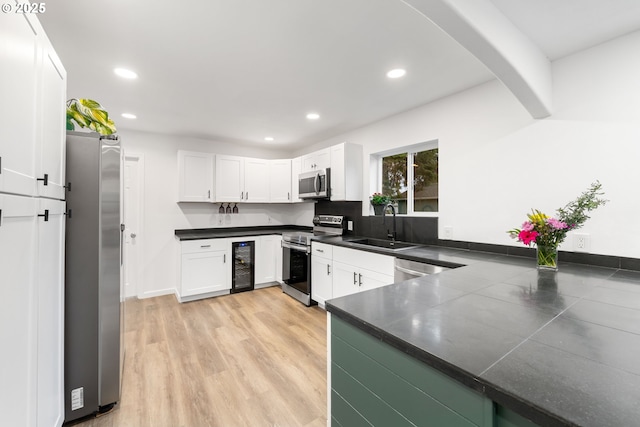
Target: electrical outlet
{"points": [[350, 225], [448, 233], [581, 242]]}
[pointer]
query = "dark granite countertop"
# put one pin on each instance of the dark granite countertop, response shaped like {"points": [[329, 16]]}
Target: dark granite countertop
{"points": [[219, 233], [558, 348]]}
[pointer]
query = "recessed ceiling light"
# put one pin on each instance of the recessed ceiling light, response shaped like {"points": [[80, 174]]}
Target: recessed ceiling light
{"points": [[398, 72], [129, 116], [313, 116], [268, 138], [126, 74]]}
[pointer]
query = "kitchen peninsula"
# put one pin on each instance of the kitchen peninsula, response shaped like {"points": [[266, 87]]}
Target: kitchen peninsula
{"points": [[491, 343]]}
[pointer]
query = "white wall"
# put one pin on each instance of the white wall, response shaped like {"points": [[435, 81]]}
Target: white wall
{"points": [[162, 215], [496, 162]]}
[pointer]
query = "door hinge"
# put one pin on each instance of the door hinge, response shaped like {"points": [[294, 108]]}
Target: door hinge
{"points": [[45, 215], [67, 187], [45, 179]]}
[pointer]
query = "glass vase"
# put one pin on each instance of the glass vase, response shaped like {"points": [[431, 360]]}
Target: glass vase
{"points": [[547, 257]]}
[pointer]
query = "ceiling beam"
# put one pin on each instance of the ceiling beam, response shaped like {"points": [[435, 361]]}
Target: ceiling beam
{"points": [[487, 34]]}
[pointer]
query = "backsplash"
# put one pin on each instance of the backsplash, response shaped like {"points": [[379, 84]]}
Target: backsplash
{"points": [[425, 231], [409, 229]]}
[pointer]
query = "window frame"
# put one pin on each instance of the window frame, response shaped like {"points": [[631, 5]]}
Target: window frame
{"points": [[411, 151]]}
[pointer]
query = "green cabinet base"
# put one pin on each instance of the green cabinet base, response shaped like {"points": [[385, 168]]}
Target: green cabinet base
{"points": [[374, 384]]}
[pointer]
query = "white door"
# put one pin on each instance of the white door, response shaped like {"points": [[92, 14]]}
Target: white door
{"points": [[229, 179], [18, 54], [133, 196], [256, 180], [337, 173], [280, 181], [18, 310], [321, 279], [204, 272], [50, 288], [53, 111], [345, 279], [296, 168], [372, 279], [195, 176]]}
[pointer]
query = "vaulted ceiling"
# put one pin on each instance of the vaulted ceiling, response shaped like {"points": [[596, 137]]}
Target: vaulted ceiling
{"points": [[243, 70]]}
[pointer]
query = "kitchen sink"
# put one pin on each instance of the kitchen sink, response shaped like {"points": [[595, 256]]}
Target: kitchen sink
{"points": [[381, 243]]}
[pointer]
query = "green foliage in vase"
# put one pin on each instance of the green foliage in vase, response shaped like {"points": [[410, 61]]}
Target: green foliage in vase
{"points": [[88, 113], [575, 213]]}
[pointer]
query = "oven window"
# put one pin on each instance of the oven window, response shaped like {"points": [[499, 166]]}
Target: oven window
{"points": [[298, 270]]}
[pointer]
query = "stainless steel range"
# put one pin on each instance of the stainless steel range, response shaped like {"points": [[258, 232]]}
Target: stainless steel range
{"points": [[296, 255]]}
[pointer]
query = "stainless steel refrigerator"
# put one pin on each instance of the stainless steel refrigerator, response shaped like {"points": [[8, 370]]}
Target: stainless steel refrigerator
{"points": [[94, 310]]}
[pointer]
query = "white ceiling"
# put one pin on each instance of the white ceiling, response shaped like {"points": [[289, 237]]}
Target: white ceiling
{"points": [[241, 70]]}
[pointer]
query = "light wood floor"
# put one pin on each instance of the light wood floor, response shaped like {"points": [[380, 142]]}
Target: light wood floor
{"points": [[250, 359]]}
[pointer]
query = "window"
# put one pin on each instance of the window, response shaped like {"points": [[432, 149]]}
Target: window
{"points": [[411, 179]]}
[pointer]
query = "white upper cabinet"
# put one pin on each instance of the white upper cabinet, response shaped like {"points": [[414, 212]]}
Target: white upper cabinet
{"points": [[229, 178], [206, 177], [195, 176], [280, 181], [346, 172], [32, 107], [19, 70], [320, 159], [256, 180], [296, 169], [51, 171], [240, 179]]}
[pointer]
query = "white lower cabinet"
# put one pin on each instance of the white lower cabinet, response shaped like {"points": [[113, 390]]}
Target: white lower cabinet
{"points": [[321, 272], [359, 271], [267, 265], [205, 269], [206, 265], [31, 254]]}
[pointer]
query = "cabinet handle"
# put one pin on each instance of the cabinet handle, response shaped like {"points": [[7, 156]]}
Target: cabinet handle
{"points": [[224, 258], [208, 194], [247, 195], [328, 269], [45, 215], [359, 279], [45, 180], [320, 250], [205, 246], [288, 196], [242, 195], [355, 277]]}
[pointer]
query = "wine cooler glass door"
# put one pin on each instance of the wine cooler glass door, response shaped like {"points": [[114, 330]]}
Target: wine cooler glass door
{"points": [[243, 274]]}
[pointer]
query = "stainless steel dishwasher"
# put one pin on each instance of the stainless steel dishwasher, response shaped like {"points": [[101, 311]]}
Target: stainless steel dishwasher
{"points": [[406, 269]]}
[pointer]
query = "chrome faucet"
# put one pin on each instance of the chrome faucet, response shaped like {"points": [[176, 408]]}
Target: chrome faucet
{"points": [[391, 235]]}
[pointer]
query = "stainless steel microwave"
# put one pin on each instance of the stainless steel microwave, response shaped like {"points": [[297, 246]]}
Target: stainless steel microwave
{"points": [[315, 184]]}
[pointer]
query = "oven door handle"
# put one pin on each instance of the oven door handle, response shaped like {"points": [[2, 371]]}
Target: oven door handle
{"points": [[299, 248]]}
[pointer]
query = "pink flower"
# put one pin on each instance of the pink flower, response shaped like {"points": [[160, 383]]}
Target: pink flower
{"points": [[527, 237], [527, 226], [558, 225]]}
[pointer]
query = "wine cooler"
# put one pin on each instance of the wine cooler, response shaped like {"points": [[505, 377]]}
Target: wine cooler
{"points": [[243, 270]]}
